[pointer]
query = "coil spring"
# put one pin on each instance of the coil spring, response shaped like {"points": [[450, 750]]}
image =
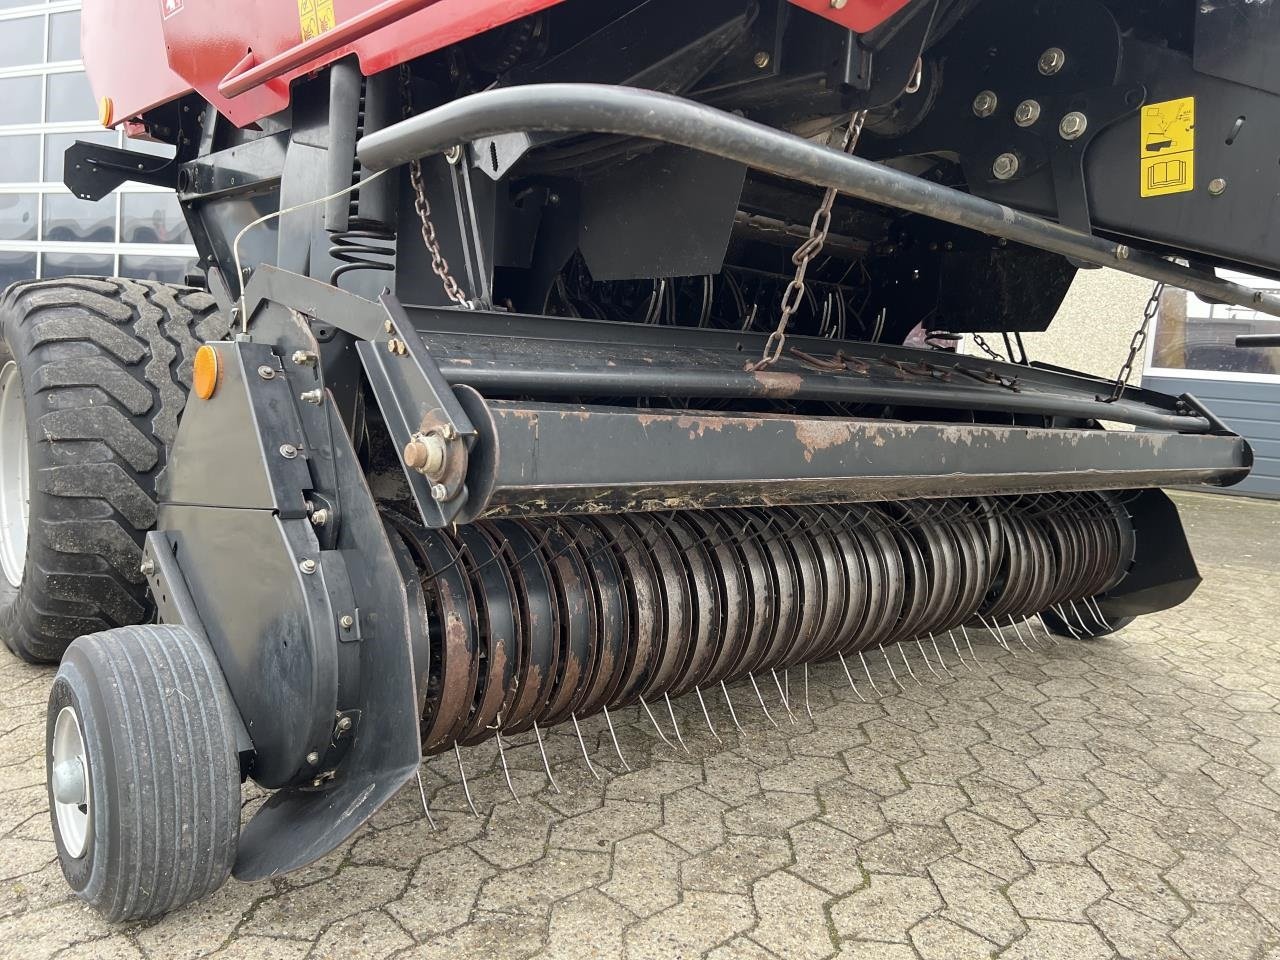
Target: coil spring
{"points": [[543, 621], [365, 245]]}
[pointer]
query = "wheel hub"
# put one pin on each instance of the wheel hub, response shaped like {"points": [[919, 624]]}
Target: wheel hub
{"points": [[14, 476], [72, 798]]}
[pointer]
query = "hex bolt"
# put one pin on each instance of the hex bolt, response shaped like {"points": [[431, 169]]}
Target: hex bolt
{"points": [[449, 431], [1028, 113], [1006, 166], [266, 373], [344, 724], [148, 567], [1217, 186], [313, 758], [1073, 125], [389, 326], [346, 621], [1052, 61], [312, 396], [985, 104], [454, 154], [439, 491], [320, 517], [307, 566], [288, 451], [1122, 252], [393, 345], [762, 59], [304, 358]]}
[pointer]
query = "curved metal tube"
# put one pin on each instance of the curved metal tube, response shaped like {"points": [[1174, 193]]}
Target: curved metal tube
{"points": [[626, 111]]}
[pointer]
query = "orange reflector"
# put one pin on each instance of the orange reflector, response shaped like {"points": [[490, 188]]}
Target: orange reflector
{"points": [[206, 372]]}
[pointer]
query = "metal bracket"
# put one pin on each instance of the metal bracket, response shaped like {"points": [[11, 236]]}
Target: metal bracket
{"points": [[91, 171]]}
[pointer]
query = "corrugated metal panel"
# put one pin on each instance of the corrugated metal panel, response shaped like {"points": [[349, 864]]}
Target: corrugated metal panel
{"points": [[1250, 409]]}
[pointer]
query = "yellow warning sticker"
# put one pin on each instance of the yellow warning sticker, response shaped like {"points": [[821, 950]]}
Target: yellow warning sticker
{"points": [[1169, 147], [315, 17]]}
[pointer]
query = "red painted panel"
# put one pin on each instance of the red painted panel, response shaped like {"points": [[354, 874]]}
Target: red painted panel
{"points": [[859, 15]]}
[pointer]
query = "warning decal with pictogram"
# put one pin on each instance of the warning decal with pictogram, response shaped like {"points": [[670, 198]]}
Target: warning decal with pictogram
{"points": [[1169, 147]]}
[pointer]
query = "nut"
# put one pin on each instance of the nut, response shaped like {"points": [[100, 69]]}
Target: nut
{"points": [[1073, 125], [344, 724], [148, 567], [346, 621], [313, 758], [1052, 61], [307, 566], [1006, 166], [985, 104], [454, 154], [266, 373], [320, 517], [439, 491], [1028, 113], [393, 345], [288, 451], [303, 358], [1122, 252]]}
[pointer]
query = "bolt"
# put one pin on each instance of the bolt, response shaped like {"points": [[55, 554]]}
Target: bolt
{"points": [[1073, 125], [449, 431], [148, 567], [761, 59], [1122, 252], [389, 326], [304, 358], [1006, 166], [1217, 187], [454, 154], [1028, 112], [426, 454], [344, 724], [838, 4], [266, 373], [319, 517], [439, 491], [312, 396], [307, 566], [288, 451], [985, 103], [313, 758], [346, 621], [1259, 297], [393, 345], [1052, 61]]}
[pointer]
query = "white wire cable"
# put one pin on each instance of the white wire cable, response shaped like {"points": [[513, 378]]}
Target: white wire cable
{"points": [[235, 244]]}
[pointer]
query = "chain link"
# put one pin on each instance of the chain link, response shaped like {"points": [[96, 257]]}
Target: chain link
{"points": [[1137, 343], [805, 254], [985, 347], [439, 265]]}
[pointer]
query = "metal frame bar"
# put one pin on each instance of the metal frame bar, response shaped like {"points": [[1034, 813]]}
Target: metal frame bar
{"points": [[624, 111]]}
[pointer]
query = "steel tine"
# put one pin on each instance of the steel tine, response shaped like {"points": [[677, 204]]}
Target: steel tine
{"points": [[786, 706], [756, 687], [466, 789], [938, 651], [733, 713], [928, 663], [996, 630], [582, 743], [965, 633], [951, 635], [707, 715], [422, 792], [654, 721], [870, 679], [672, 714], [807, 708], [902, 652], [1017, 632], [1047, 632], [502, 755], [543, 750], [1091, 604], [1079, 619], [614, 737], [852, 685], [892, 672], [1065, 620]]}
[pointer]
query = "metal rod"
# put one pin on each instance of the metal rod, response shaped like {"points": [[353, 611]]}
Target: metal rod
{"points": [[675, 726], [786, 706], [852, 685], [545, 765], [579, 108], [807, 708], [506, 772], [466, 789], [707, 714], [755, 686], [582, 743], [870, 679], [654, 720], [614, 737], [902, 652], [422, 792], [732, 713]]}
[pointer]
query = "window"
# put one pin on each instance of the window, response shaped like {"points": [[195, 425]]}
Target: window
{"points": [[20, 159], [18, 216], [166, 269], [20, 99], [21, 42], [16, 266], [77, 264], [64, 36], [1195, 336], [68, 218], [70, 98], [152, 218]]}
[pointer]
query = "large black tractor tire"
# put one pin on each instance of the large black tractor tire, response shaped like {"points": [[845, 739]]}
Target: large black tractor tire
{"points": [[144, 771], [97, 372]]}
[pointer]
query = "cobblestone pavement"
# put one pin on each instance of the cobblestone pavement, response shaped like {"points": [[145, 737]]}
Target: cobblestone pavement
{"points": [[1079, 800]]}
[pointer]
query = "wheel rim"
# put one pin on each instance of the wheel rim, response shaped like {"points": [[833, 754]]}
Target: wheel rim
{"points": [[72, 799], [14, 476]]}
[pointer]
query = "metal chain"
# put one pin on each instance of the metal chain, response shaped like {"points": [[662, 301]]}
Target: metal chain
{"points": [[439, 265], [986, 348], [1137, 343], [805, 254]]}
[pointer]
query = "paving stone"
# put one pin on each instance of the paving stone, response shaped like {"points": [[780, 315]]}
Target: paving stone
{"points": [[791, 921], [1056, 891], [826, 857], [371, 935], [700, 922], [1056, 940], [939, 939], [885, 909]]}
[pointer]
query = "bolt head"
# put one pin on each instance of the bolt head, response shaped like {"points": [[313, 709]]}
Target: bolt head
{"points": [[313, 758], [838, 4], [439, 491], [985, 104], [346, 621], [393, 345], [1217, 186], [1006, 166], [303, 358], [454, 154], [762, 59], [148, 567], [288, 451], [344, 724], [266, 373], [307, 566], [1028, 113], [1052, 61], [319, 517], [1122, 252], [1073, 125]]}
